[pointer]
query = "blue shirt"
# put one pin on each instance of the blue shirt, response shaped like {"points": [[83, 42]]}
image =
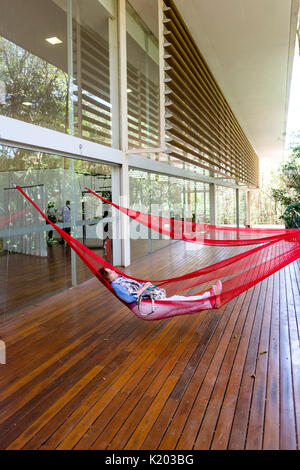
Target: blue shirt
{"points": [[66, 214], [123, 293]]}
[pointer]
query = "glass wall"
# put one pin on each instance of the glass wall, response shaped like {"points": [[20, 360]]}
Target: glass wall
{"points": [[242, 208], [91, 70], [142, 78], [54, 66], [160, 204], [34, 260], [202, 203], [164, 196], [226, 205]]}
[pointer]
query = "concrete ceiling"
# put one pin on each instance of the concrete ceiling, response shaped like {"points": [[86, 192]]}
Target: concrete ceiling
{"points": [[249, 47]]}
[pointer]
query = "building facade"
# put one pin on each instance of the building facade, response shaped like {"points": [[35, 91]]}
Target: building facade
{"points": [[115, 96]]}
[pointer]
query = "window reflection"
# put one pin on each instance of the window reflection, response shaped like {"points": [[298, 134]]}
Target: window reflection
{"points": [[168, 197], [54, 76], [92, 101], [34, 72], [226, 206], [34, 260], [142, 79]]}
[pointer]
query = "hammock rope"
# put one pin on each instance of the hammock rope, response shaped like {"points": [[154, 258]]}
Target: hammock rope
{"points": [[238, 273]]}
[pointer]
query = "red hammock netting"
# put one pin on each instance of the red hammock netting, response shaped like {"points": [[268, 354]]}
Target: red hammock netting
{"points": [[200, 233], [276, 249]]}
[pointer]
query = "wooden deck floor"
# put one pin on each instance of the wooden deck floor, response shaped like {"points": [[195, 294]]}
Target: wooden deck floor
{"points": [[83, 372]]}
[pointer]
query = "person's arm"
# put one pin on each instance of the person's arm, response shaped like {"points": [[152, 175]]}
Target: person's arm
{"points": [[123, 294], [144, 287]]}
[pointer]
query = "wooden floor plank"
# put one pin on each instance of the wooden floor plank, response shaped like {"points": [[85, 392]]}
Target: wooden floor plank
{"points": [[294, 306], [116, 387], [161, 425], [175, 368], [238, 434], [257, 413], [226, 416], [186, 399], [287, 410], [85, 373], [191, 429], [215, 404], [272, 416], [136, 389]]}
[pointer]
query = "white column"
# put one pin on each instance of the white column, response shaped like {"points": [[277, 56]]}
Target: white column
{"points": [[72, 132], [237, 207], [115, 126], [212, 204], [116, 227], [124, 174], [248, 205]]}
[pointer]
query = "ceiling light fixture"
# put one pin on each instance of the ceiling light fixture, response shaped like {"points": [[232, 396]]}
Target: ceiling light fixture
{"points": [[53, 41]]}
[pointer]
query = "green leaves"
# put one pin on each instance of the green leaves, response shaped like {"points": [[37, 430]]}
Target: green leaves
{"points": [[288, 195]]}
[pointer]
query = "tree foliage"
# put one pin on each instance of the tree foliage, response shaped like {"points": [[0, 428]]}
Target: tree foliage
{"points": [[288, 194], [31, 80]]}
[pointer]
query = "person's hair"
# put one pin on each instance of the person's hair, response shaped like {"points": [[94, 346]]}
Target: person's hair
{"points": [[68, 202], [104, 273]]}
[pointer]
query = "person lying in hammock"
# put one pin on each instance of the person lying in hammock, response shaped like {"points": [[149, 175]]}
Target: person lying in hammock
{"points": [[129, 290]]}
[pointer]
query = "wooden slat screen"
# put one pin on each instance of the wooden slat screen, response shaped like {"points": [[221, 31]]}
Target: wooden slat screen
{"points": [[143, 110], [92, 95], [143, 97], [201, 127]]}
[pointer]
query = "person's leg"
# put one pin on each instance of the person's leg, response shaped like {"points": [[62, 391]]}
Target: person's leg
{"points": [[213, 293], [190, 297], [50, 232], [68, 231]]}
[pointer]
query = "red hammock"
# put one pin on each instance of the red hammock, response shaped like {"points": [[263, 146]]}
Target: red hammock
{"points": [[201, 233], [238, 273]]}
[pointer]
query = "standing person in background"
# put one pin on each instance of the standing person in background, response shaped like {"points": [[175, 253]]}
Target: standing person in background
{"points": [[51, 214], [66, 218]]}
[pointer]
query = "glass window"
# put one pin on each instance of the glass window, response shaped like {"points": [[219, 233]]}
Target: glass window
{"points": [[33, 62], [226, 205], [91, 86], [139, 197], [142, 80], [176, 198], [242, 208], [54, 72], [190, 200], [34, 260], [160, 205], [202, 203], [166, 196]]}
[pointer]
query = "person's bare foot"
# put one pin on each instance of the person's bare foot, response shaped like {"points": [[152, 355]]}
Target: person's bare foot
{"points": [[217, 289]]}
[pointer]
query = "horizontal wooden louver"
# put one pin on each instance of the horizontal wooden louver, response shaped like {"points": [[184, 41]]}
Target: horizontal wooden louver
{"points": [[143, 110], [92, 87], [201, 128]]}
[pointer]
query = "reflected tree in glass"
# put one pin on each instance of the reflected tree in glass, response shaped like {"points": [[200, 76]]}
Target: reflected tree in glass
{"points": [[35, 90]]}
